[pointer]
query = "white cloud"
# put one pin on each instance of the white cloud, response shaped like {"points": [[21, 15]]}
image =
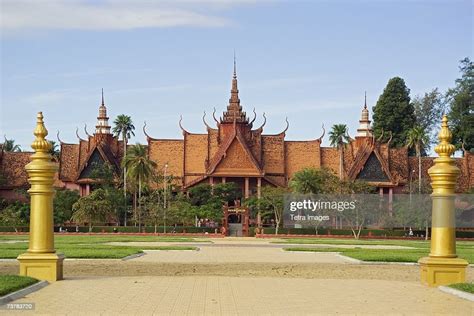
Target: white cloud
{"points": [[18, 15]]}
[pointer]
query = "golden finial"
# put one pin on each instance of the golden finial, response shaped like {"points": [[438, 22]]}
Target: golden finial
{"points": [[445, 148], [40, 144]]}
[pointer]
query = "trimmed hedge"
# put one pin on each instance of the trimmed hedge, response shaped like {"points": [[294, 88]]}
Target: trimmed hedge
{"points": [[134, 229], [267, 230]]}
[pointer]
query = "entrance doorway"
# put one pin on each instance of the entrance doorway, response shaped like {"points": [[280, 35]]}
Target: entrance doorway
{"points": [[236, 221]]}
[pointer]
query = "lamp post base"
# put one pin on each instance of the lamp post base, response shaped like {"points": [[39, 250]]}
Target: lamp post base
{"points": [[442, 271], [42, 266]]}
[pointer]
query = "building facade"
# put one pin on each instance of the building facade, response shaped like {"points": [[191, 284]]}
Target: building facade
{"points": [[234, 150]]}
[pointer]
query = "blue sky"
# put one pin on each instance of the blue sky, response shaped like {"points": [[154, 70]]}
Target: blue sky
{"points": [[308, 60]]}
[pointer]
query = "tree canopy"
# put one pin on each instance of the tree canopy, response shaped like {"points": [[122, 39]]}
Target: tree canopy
{"points": [[461, 106], [93, 208], [394, 112], [316, 181], [429, 109]]}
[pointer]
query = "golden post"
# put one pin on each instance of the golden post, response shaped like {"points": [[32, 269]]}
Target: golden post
{"points": [[41, 260], [443, 266]]}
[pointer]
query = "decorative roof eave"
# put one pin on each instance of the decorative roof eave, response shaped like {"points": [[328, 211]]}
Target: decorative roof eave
{"points": [[214, 117], [260, 129], [320, 139], [209, 128], [282, 133], [60, 141], [85, 131], [77, 135], [146, 134], [185, 132]]}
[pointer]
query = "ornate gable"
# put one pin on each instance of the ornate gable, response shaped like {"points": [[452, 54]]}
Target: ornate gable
{"points": [[373, 171], [96, 158], [237, 160], [234, 157], [370, 166]]}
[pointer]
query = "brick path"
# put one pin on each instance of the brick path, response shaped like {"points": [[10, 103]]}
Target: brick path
{"points": [[241, 296], [358, 289]]}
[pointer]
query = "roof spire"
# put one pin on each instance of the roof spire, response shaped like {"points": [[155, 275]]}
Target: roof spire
{"points": [[235, 67], [234, 109], [364, 129], [102, 126]]}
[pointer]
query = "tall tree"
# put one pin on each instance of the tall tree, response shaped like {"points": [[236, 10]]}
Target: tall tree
{"points": [[417, 138], [271, 203], [207, 200], [63, 202], [339, 137], [105, 178], [123, 126], [429, 109], [394, 112], [10, 146], [461, 106], [139, 168]]}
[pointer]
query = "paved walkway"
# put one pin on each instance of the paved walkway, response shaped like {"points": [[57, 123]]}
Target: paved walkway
{"points": [[241, 254], [214, 295], [243, 250], [240, 277]]}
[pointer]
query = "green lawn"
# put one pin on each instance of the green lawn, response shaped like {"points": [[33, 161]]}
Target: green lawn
{"points": [[464, 249], [12, 283], [174, 248], [466, 287], [94, 247]]}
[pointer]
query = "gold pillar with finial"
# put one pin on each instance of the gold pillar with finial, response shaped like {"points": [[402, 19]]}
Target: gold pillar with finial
{"points": [[41, 260], [442, 266]]}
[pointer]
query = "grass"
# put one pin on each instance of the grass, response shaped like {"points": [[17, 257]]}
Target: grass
{"points": [[12, 283], [466, 287], [175, 248], [465, 250], [94, 247]]}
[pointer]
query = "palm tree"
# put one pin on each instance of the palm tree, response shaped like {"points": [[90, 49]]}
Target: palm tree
{"points": [[339, 137], [139, 168], [417, 137], [54, 151], [124, 127], [10, 146]]}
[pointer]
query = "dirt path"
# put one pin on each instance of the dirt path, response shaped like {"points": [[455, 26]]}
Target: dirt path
{"points": [[291, 270]]}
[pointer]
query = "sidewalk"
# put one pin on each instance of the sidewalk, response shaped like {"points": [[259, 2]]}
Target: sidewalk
{"points": [[241, 296]]}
